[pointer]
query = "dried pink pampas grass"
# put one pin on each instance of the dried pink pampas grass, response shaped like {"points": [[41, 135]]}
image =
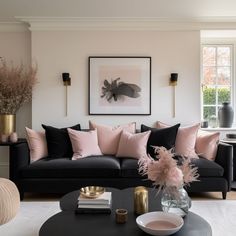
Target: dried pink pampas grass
{"points": [[165, 171], [16, 84]]}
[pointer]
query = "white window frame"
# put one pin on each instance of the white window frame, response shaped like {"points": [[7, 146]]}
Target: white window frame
{"points": [[222, 43]]}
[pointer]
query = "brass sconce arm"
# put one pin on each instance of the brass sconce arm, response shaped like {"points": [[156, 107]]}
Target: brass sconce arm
{"points": [[67, 82], [173, 83]]}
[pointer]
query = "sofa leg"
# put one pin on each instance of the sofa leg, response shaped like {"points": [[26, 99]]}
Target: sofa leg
{"points": [[224, 195]]}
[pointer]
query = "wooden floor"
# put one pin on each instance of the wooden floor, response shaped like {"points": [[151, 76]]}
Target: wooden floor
{"points": [[213, 196], [194, 196]]}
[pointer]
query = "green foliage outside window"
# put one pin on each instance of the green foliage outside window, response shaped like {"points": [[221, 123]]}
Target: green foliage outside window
{"points": [[209, 98]]}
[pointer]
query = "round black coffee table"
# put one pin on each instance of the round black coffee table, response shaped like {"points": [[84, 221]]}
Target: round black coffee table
{"points": [[67, 223]]}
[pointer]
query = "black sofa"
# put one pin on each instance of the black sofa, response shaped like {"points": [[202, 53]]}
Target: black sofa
{"points": [[64, 175]]}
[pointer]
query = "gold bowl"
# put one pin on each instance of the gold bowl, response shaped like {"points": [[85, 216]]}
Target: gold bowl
{"points": [[92, 191]]}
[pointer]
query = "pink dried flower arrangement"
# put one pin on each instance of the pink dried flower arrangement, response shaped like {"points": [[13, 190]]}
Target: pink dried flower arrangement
{"points": [[166, 171], [16, 84]]}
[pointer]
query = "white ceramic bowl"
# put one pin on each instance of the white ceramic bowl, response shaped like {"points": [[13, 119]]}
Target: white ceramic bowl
{"points": [[174, 223]]}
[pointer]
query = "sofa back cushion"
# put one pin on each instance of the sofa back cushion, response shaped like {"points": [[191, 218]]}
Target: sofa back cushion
{"points": [[164, 137], [207, 144], [133, 145], [58, 141], [84, 144], [37, 144], [185, 139], [109, 137]]}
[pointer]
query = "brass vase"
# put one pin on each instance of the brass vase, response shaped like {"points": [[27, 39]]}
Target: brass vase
{"points": [[140, 200], [7, 124]]}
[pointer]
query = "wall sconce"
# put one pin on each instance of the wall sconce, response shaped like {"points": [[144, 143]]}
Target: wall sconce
{"points": [[66, 79], [67, 82], [173, 83]]}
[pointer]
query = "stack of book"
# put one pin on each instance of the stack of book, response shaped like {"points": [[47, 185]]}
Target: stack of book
{"points": [[101, 204]]}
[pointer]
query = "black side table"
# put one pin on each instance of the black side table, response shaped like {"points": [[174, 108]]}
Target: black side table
{"points": [[233, 143], [10, 145]]}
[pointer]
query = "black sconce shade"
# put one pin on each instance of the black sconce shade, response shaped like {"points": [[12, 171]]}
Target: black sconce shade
{"points": [[173, 76], [173, 79], [66, 79]]}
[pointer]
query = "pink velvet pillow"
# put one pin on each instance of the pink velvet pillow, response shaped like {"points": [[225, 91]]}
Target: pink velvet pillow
{"points": [[109, 137], [84, 143], [37, 144], [207, 144], [185, 139], [133, 145]]}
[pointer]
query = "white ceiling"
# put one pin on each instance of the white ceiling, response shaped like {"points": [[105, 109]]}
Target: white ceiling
{"points": [[184, 9]]}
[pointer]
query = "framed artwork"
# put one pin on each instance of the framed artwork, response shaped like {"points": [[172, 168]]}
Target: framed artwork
{"points": [[119, 85]]}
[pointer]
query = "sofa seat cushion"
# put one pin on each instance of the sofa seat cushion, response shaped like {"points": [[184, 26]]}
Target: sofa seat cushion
{"points": [[129, 168], [207, 168], [89, 167]]}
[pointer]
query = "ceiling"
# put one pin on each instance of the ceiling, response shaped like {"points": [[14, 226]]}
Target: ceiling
{"points": [[184, 9]]}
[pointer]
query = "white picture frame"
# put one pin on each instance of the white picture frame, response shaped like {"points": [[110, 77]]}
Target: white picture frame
{"points": [[119, 85]]}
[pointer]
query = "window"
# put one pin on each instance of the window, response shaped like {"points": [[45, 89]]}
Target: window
{"points": [[216, 78]]}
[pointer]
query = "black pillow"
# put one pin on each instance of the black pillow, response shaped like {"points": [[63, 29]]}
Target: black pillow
{"points": [[58, 141], [160, 137]]}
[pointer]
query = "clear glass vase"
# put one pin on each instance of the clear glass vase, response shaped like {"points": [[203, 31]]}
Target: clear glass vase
{"points": [[175, 200]]}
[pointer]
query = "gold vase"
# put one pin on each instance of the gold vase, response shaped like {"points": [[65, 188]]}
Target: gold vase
{"points": [[140, 200], [7, 124]]}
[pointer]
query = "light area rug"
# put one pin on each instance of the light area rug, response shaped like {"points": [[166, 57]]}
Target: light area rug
{"points": [[220, 214], [29, 219]]}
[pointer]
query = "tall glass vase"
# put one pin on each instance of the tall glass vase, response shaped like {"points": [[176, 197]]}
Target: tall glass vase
{"points": [[175, 200]]}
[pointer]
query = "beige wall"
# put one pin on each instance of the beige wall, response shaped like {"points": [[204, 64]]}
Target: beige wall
{"points": [[68, 51], [15, 47]]}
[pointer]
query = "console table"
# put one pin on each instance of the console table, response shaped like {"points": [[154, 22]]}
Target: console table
{"points": [[67, 222], [233, 143], [20, 140], [11, 154]]}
